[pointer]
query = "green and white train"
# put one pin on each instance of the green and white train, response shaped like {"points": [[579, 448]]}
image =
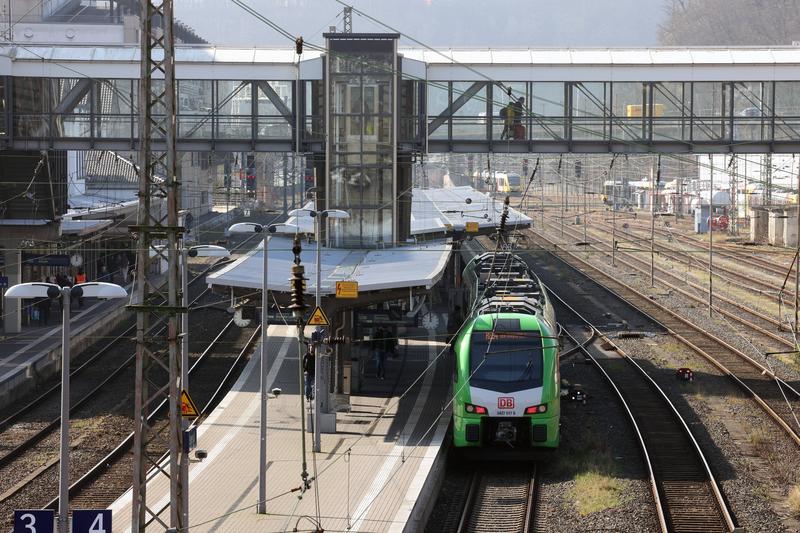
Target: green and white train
{"points": [[506, 358]]}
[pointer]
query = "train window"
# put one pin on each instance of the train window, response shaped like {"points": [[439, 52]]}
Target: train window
{"points": [[513, 358]]}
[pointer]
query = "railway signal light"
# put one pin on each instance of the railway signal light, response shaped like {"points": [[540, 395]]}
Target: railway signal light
{"points": [[298, 45]]}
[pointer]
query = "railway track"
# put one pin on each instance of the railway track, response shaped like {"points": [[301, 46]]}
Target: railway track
{"points": [[733, 252], [758, 286], [757, 321], [777, 398], [111, 476], [685, 491], [40, 419], [28, 431], [686, 494], [500, 500], [487, 497]]}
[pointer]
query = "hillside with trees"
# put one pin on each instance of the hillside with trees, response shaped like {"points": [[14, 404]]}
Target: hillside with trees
{"points": [[731, 23]]}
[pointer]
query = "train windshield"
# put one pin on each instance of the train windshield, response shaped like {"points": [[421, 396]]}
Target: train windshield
{"points": [[513, 358], [513, 180]]}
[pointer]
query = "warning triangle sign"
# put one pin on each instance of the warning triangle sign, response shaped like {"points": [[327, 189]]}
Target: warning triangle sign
{"points": [[188, 408], [318, 318]]}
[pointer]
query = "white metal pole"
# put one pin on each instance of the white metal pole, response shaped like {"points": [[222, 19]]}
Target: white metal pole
{"points": [[184, 466], [711, 241], [63, 475], [262, 452], [797, 266], [317, 352]]}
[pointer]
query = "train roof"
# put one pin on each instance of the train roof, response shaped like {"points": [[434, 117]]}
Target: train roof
{"points": [[506, 284]]}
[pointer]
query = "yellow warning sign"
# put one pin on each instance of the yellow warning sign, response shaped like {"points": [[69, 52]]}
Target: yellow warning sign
{"points": [[472, 227], [347, 289], [318, 318], [188, 408]]}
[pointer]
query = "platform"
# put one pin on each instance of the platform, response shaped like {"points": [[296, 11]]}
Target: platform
{"points": [[371, 472]]}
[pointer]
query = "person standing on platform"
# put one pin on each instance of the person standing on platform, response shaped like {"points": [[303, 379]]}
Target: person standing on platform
{"points": [[80, 277], [308, 370], [391, 343]]}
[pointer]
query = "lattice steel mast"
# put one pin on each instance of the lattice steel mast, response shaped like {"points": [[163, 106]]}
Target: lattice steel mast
{"points": [[157, 356]]}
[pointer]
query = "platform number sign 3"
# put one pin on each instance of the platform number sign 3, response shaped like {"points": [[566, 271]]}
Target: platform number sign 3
{"points": [[34, 521], [91, 521]]}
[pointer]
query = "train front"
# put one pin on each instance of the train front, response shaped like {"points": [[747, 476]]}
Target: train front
{"points": [[506, 383]]}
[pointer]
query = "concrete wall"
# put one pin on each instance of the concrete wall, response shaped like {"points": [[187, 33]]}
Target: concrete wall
{"points": [[759, 226], [776, 227], [790, 227]]}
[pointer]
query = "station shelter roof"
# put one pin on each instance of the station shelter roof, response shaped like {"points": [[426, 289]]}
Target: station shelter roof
{"points": [[410, 265], [407, 266], [436, 211]]}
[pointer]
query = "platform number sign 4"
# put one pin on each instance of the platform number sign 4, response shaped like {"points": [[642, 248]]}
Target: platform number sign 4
{"points": [[34, 521], [91, 521]]}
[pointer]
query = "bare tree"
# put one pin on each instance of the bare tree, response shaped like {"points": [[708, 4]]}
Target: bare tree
{"points": [[731, 22]]}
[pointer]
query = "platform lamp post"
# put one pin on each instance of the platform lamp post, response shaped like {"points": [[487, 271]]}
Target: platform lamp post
{"points": [[318, 217], [201, 250], [252, 227], [51, 290]]}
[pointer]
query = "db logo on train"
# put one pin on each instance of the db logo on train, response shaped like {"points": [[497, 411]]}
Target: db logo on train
{"points": [[505, 402]]}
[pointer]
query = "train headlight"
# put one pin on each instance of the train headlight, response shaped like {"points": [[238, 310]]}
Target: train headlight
{"points": [[536, 409], [475, 409]]}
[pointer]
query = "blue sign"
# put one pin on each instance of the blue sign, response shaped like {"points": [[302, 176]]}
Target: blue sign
{"points": [[3, 282], [34, 521], [61, 260], [91, 521]]}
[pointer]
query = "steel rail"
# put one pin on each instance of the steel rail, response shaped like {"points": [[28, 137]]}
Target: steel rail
{"points": [[768, 288], [122, 449], [757, 372], [9, 420], [664, 496], [733, 303], [498, 494], [31, 440]]}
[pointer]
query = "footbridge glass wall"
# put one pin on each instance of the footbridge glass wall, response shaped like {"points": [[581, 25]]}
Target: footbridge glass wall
{"points": [[434, 116], [84, 113], [613, 116]]}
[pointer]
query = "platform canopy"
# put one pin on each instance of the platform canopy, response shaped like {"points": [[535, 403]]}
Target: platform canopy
{"points": [[418, 265], [437, 211]]}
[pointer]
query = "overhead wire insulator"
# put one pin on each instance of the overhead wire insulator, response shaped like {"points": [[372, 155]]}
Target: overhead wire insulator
{"points": [[297, 282], [504, 218]]}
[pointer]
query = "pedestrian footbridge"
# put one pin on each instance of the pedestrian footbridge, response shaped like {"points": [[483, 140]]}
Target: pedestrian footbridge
{"points": [[411, 100]]}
